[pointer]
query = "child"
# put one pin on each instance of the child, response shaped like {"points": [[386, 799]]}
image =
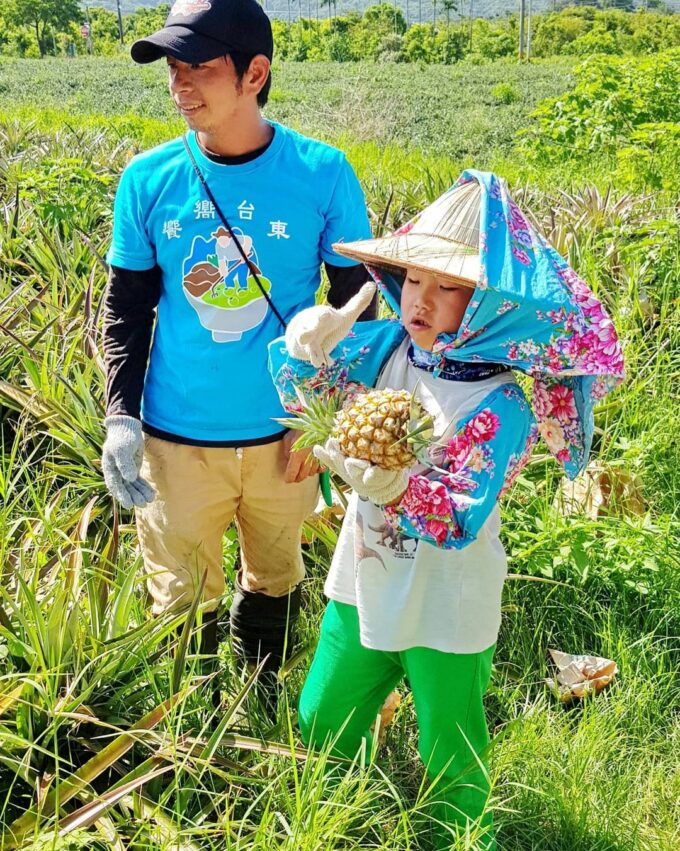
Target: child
{"points": [[416, 580]]}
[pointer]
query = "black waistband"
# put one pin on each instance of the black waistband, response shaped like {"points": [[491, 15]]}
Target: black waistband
{"points": [[190, 441]]}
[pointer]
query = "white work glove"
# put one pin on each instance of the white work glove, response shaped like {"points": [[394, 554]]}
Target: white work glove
{"points": [[312, 334], [122, 461], [368, 480]]}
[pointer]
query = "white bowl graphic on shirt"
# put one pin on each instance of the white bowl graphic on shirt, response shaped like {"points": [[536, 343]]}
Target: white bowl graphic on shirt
{"points": [[226, 311]]}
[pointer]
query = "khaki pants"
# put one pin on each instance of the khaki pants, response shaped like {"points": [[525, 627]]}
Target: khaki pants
{"points": [[199, 491]]}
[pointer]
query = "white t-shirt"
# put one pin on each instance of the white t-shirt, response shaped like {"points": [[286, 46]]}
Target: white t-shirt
{"points": [[408, 592]]}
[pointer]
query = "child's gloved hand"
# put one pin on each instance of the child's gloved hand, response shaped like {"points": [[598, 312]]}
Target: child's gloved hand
{"points": [[122, 459], [312, 334], [368, 480]]}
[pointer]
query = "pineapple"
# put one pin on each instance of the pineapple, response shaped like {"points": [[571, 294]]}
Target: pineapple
{"points": [[386, 427]]}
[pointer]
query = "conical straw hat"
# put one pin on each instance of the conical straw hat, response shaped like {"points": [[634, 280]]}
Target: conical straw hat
{"points": [[443, 240]]}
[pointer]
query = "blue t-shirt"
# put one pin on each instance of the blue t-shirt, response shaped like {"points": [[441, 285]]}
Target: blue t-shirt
{"points": [[207, 376]]}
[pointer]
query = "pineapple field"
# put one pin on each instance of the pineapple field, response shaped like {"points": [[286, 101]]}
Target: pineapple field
{"points": [[108, 735]]}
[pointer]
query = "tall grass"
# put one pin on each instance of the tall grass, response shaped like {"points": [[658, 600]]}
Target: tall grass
{"points": [[108, 736]]}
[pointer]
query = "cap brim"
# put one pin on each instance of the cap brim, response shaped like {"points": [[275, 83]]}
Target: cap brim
{"points": [[181, 43], [424, 252]]}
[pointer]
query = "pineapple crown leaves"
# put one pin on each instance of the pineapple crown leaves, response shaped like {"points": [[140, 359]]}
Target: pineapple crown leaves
{"points": [[315, 419], [420, 427]]}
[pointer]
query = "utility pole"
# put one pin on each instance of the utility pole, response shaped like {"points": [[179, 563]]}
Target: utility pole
{"points": [[529, 31], [521, 28], [89, 41], [120, 23]]}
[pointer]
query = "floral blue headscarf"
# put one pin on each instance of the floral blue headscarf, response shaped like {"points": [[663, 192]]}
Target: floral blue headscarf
{"points": [[531, 311]]}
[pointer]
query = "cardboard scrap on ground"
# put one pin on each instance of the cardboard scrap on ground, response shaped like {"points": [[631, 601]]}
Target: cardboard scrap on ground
{"points": [[578, 676], [601, 490]]}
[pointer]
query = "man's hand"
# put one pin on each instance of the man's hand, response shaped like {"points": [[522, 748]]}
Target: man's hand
{"points": [[300, 464], [122, 461], [382, 487], [312, 334]]}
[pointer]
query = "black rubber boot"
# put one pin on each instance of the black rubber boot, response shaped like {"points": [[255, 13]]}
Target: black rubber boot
{"points": [[208, 634], [263, 628]]}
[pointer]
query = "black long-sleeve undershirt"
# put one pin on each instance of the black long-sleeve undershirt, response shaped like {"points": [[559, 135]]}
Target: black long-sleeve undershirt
{"points": [[130, 305], [129, 313]]}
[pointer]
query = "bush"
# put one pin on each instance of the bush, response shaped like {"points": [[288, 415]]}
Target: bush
{"points": [[596, 41], [505, 93], [621, 109], [419, 43], [339, 48], [451, 45], [652, 159], [493, 43], [390, 48]]}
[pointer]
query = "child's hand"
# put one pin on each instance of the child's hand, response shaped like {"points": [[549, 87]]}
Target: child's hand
{"points": [[368, 480], [313, 333]]}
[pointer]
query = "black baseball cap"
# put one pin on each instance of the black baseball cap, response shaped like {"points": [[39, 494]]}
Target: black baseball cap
{"points": [[200, 30]]}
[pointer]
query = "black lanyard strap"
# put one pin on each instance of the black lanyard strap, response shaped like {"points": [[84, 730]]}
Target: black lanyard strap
{"points": [[249, 264]]}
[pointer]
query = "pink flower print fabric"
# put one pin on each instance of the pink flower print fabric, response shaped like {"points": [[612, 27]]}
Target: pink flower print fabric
{"points": [[448, 504], [532, 312]]}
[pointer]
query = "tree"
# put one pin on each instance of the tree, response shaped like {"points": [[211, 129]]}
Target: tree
{"points": [[43, 16], [384, 17], [419, 44], [449, 6], [394, 3], [146, 20], [451, 45], [290, 23], [332, 7], [374, 36], [659, 6]]}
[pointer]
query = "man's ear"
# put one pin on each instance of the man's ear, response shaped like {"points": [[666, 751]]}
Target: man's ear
{"points": [[257, 73]]}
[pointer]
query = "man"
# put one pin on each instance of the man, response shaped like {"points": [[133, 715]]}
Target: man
{"points": [[191, 437]]}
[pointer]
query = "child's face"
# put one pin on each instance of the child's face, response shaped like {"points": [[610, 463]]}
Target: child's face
{"points": [[431, 306]]}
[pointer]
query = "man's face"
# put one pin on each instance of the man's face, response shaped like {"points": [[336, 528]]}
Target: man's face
{"points": [[207, 95], [431, 306]]}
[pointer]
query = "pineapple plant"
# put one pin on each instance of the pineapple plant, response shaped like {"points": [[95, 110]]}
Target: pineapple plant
{"points": [[386, 427]]}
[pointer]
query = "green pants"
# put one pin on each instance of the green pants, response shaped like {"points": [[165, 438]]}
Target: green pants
{"points": [[347, 684]]}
